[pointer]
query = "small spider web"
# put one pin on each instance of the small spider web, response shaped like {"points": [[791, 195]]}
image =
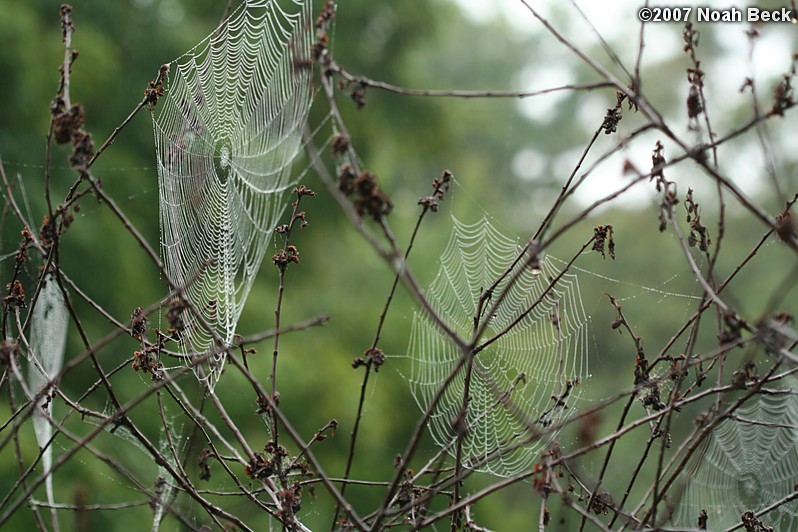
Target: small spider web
{"points": [[515, 378], [748, 464]]}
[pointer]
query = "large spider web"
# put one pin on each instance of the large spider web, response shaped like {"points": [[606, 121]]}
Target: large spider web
{"points": [[748, 464], [226, 132], [516, 377]]}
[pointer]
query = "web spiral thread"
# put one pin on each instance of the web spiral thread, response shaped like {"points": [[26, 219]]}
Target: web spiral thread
{"points": [[515, 378], [227, 131], [748, 464]]}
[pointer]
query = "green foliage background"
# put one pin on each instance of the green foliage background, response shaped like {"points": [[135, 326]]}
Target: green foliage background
{"points": [[406, 141]]}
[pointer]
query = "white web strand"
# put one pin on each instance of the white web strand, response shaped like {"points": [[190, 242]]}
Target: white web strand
{"points": [[748, 464], [227, 131], [516, 376], [48, 342]]}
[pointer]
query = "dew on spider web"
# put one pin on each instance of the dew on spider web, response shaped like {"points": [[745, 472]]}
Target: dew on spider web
{"points": [[543, 355], [748, 464], [533, 362], [227, 131]]}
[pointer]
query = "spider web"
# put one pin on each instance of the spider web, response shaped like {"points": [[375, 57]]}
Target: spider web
{"points": [[49, 325], [226, 133], [516, 377], [748, 464]]}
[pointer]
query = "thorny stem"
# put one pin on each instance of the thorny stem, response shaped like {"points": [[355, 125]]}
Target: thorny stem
{"points": [[531, 247], [605, 464], [696, 78], [404, 91], [518, 319], [637, 80], [542, 521], [117, 418], [299, 326], [227, 10], [750, 256], [63, 92], [395, 262], [761, 128], [461, 427], [289, 428], [707, 429], [23, 474], [710, 291], [282, 260], [415, 439], [775, 505], [565, 190], [208, 429], [681, 372], [66, 28], [391, 256], [370, 362], [639, 467], [604, 44], [175, 455], [159, 78]]}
